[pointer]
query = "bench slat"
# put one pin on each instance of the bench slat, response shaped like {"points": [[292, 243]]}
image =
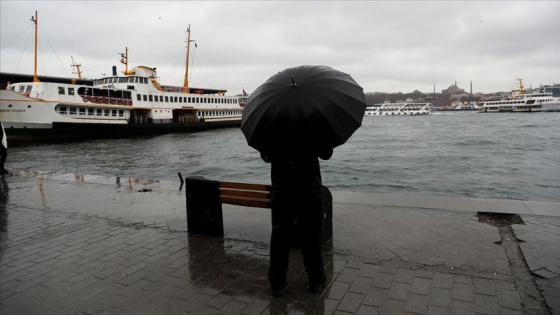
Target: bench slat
{"points": [[245, 186], [248, 202], [245, 193]]}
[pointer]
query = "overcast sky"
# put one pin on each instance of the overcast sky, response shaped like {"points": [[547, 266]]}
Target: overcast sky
{"points": [[397, 46]]}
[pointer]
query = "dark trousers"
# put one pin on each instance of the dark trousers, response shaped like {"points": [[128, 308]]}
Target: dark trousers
{"points": [[3, 156], [296, 220]]}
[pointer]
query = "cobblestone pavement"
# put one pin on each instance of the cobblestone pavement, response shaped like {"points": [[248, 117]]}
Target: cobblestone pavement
{"points": [[79, 244]]}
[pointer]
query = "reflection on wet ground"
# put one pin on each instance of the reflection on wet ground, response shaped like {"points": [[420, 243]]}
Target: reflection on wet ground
{"points": [[4, 195]]}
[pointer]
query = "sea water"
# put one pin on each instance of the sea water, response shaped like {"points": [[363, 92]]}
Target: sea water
{"points": [[461, 154]]}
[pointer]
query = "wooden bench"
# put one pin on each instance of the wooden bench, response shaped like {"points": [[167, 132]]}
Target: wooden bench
{"points": [[205, 198]]}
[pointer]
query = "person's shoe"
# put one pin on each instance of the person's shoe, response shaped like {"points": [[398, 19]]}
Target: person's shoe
{"points": [[316, 288], [277, 292]]}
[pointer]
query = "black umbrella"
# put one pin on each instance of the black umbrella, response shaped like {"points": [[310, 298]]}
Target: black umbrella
{"points": [[303, 108]]}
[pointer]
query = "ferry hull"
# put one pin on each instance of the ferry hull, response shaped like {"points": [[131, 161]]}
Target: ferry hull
{"points": [[551, 107], [75, 131]]}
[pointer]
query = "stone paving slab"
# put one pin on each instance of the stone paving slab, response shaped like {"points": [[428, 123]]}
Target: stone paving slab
{"points": [[540, 238], [91, 246]]}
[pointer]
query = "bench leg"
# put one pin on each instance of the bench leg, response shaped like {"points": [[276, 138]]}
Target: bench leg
{"points": [[204, 209]]}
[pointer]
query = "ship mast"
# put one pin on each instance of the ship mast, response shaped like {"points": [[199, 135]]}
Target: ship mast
{"points": [[186, 82], [35, 19], [124, 60], [521, 89], [77, 66]]}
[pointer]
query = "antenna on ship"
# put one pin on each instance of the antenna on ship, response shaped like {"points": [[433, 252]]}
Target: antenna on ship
{"points": [[35, 19], [77, 66], [186, 82]]}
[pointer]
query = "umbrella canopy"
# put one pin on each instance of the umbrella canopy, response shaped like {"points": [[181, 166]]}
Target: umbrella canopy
{"points": [[303, 108]]}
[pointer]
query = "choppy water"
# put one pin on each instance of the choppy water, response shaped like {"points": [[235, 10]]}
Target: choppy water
{"points": [[468, 154]]}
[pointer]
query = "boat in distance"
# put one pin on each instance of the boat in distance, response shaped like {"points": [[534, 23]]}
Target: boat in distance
{"points": [[520, 101], [398, 109], [130, 104]]}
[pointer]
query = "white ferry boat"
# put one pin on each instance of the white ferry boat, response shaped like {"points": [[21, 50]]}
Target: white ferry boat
{"points": [[462, 106], [399, 109], [520, 101], [115, 106]]}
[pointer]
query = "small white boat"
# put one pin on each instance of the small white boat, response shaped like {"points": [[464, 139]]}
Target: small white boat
{"points": [[399, 109]]}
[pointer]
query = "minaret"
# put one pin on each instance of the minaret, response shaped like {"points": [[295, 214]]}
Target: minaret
{"points": [[471, 87]]}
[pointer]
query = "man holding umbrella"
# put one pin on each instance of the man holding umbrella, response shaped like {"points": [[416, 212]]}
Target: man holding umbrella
{"points": [[295, 117]]}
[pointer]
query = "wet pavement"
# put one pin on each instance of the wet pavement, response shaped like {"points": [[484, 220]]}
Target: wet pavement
{"points": [[83, 244]]}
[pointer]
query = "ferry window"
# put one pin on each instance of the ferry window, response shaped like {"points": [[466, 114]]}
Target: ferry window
{"points": [[175, 99], [63, 109], [138, 97], [167, 99], [61, 90], [82, 111], [121, 113], [114, 113], [72, 110], [180, 100], [21, 88], [160, 98], [123, 79], [70, 91], [145, 97], [188, 99], [106, 112], [99, 112], [28, 89], [90, 112], [151, 98]]}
